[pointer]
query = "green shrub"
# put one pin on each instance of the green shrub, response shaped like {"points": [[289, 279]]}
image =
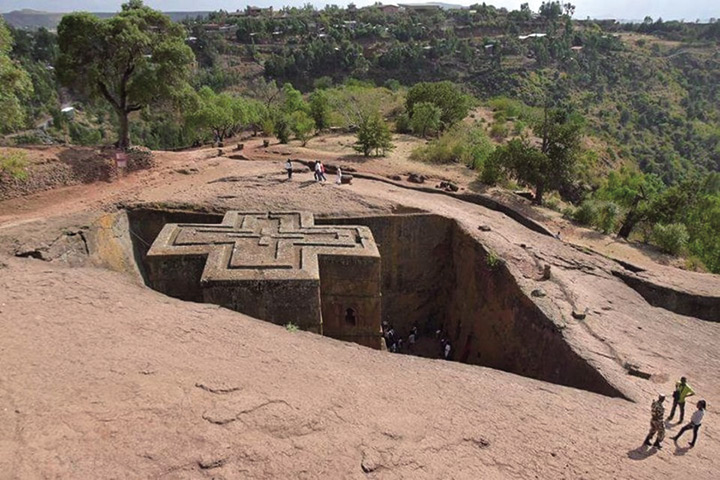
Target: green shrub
{"points": [[323, 83], [425, 117], [499, 130], [291, 327], [586, 213], [492, 171], [552, 202], [461, 144], [568, 212], [82, 135], [267, 125], [511, 108], [13, 164], [402, 124], [282, 129], [392, 84], [27, 139], [492, 260], [670, 238], [607, 217]]}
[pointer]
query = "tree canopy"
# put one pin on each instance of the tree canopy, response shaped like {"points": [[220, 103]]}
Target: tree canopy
{"points": [[549, 165], [131, 60], [373, 135], [426, 116], [16, 85], [222, 115], [453, 104]]}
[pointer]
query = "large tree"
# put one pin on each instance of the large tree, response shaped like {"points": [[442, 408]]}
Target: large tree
{"points": [[131, 60], [426, 116], [15, 85], [373, 135], [549, 165], [453, 104], [560, 132], [222, 115]]}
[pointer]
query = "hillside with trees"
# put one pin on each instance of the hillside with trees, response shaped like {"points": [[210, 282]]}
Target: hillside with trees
{"points": [[616, 125]]}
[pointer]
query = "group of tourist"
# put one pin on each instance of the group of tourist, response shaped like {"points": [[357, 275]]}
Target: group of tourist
{"points": [[682, 391], [318, 169], [395, 343]]}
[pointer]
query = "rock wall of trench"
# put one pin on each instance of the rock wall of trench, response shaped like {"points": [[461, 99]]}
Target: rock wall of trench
{"points": [[435, 274], [492, 322], [415, 252]]}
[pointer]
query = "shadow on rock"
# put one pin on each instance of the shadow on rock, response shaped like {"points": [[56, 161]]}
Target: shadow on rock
{"points": [[681, 451], [641, 453]]}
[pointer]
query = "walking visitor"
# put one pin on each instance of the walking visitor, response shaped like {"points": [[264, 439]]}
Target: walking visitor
{"points": [[694, 424]]}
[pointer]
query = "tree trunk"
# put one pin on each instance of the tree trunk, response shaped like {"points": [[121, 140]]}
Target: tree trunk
{"points": [[539, 191], [627, 227], [124, 138], [631, 219]]}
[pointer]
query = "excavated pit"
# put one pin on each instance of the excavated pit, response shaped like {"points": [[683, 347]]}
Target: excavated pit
{"points": [[437, 276]]}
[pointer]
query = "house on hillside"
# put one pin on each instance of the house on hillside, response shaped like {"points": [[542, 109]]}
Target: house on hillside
{"points": [[532, 35], [258, 11], [420, 7], [389, 9]]}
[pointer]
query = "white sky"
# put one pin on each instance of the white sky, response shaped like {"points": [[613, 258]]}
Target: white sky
{"points": [[688, 10]]}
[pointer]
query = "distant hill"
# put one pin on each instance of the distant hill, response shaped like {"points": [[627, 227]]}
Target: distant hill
{"points": [[34, 19]]}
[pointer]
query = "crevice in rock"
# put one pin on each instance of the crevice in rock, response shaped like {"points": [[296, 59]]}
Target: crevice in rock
{"points": [[704, 307]]}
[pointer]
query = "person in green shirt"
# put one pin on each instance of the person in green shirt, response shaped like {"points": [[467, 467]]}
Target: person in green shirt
{"points": [[682, 391]]}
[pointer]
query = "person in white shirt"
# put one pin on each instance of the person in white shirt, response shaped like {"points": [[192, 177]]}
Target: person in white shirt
{"points": [[338, 180], [320, 171], [694, 424], [447, 351], [288, 168]]}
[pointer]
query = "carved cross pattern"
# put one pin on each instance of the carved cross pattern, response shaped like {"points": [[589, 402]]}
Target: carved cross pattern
{"points": [[248, 246]]}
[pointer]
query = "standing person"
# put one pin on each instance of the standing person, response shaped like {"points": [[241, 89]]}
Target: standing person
{"points": [[695, 423], [411, 342], [447, 350], [656, 423], [338, 180], [288, 168], [682, 391], [322, 172], [318, 171]]}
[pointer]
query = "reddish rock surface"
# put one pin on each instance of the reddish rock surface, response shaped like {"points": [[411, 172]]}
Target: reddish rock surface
{"points": [[102, 377]]}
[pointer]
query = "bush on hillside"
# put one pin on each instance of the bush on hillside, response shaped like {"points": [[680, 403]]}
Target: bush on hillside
{"points": [[587, 213], [607, 217], [670, 238], [461, 144], [13, 165]]}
